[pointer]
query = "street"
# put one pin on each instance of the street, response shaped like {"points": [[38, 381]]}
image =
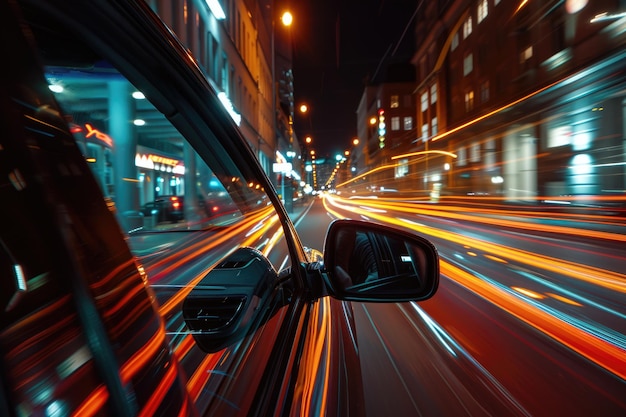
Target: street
{"points": [[528, 318]]}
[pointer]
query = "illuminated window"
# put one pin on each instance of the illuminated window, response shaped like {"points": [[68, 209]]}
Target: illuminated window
{"points": [[455, 41], [424, 101], [559, 136], [395, 123], [424, 132], [490, 154], [475, 152], [395, 102], [461, 159], [433, 93], [483, 10], [408, 123], [496, 2], [467, 27], [526, 55], [468, 64], [402, 168], [469, 101], [433, 123]]}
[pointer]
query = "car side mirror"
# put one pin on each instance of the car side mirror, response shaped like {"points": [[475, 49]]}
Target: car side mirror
{"points": [[366, 261], [230, 299]]}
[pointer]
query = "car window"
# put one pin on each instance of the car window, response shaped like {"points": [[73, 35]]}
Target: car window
{"points": [[181, 204], [159, 187]]}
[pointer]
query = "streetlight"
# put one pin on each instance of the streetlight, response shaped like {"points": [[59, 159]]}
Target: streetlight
{"points": [[305, 112], [286, 19]]}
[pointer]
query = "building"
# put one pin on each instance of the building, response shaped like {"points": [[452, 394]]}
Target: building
{"points": [[386, 128], [523, 100], [246, 56]]}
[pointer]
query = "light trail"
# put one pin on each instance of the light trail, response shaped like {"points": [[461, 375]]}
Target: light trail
{"points": [[597, 276], [453, 213], [596, 349]]}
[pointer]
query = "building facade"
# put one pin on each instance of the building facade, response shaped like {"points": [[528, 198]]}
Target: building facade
{"points": [[246, 56], [523, 100], [386, 128]]}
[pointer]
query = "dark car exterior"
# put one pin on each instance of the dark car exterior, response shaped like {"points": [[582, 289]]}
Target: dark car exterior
{"points": [[165, 208], [92, 316]]}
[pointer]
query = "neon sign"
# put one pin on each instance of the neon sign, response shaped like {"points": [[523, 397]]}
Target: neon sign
{"points": [[159, 163], [95, 133]]}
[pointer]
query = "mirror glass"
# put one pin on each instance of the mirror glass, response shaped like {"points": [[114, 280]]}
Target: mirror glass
{"points": [[372, 262]]}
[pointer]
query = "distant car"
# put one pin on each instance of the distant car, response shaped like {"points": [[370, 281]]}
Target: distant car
{"points": [[166, 208], [211, 317]]}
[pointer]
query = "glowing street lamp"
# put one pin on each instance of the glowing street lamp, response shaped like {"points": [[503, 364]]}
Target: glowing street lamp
{"points": [[287, 19]]}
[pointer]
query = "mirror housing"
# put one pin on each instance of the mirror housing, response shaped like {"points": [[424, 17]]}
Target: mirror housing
{"points": [[223, 306], [365, 261]]}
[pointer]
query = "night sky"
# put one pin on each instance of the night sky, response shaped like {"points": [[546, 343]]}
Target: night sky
{"points": [[338, 46]]}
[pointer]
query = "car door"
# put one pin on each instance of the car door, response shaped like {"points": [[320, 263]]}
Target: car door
{"points": [[79, 333]]}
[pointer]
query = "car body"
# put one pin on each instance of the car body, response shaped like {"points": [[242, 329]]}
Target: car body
{"points": [[165, 208], [212, 316]]}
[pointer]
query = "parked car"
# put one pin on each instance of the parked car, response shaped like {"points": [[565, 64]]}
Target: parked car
{"points": [[100, 318], [165, 208]]}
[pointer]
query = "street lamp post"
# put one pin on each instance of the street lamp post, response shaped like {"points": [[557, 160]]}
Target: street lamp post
{"points": [[286, 19]]}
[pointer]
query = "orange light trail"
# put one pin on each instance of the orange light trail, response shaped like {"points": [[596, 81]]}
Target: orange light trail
{"points": [[202, 374], [453, 213], [406, 155], [496, 111], [599, 351], [156, 398], [93, 404], [142, 356], [605, 354], [315, 351], [608, 279]]}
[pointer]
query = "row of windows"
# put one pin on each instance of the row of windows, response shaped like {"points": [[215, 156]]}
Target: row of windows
{"points": [[484, 96], [407, 123], [482, 11], [468, 67], [424, 98], [428, 98], [488, 154], [433, 126], [199, 36]]}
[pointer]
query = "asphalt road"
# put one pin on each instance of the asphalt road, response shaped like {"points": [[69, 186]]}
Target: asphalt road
{"points": [[529, 318]]}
